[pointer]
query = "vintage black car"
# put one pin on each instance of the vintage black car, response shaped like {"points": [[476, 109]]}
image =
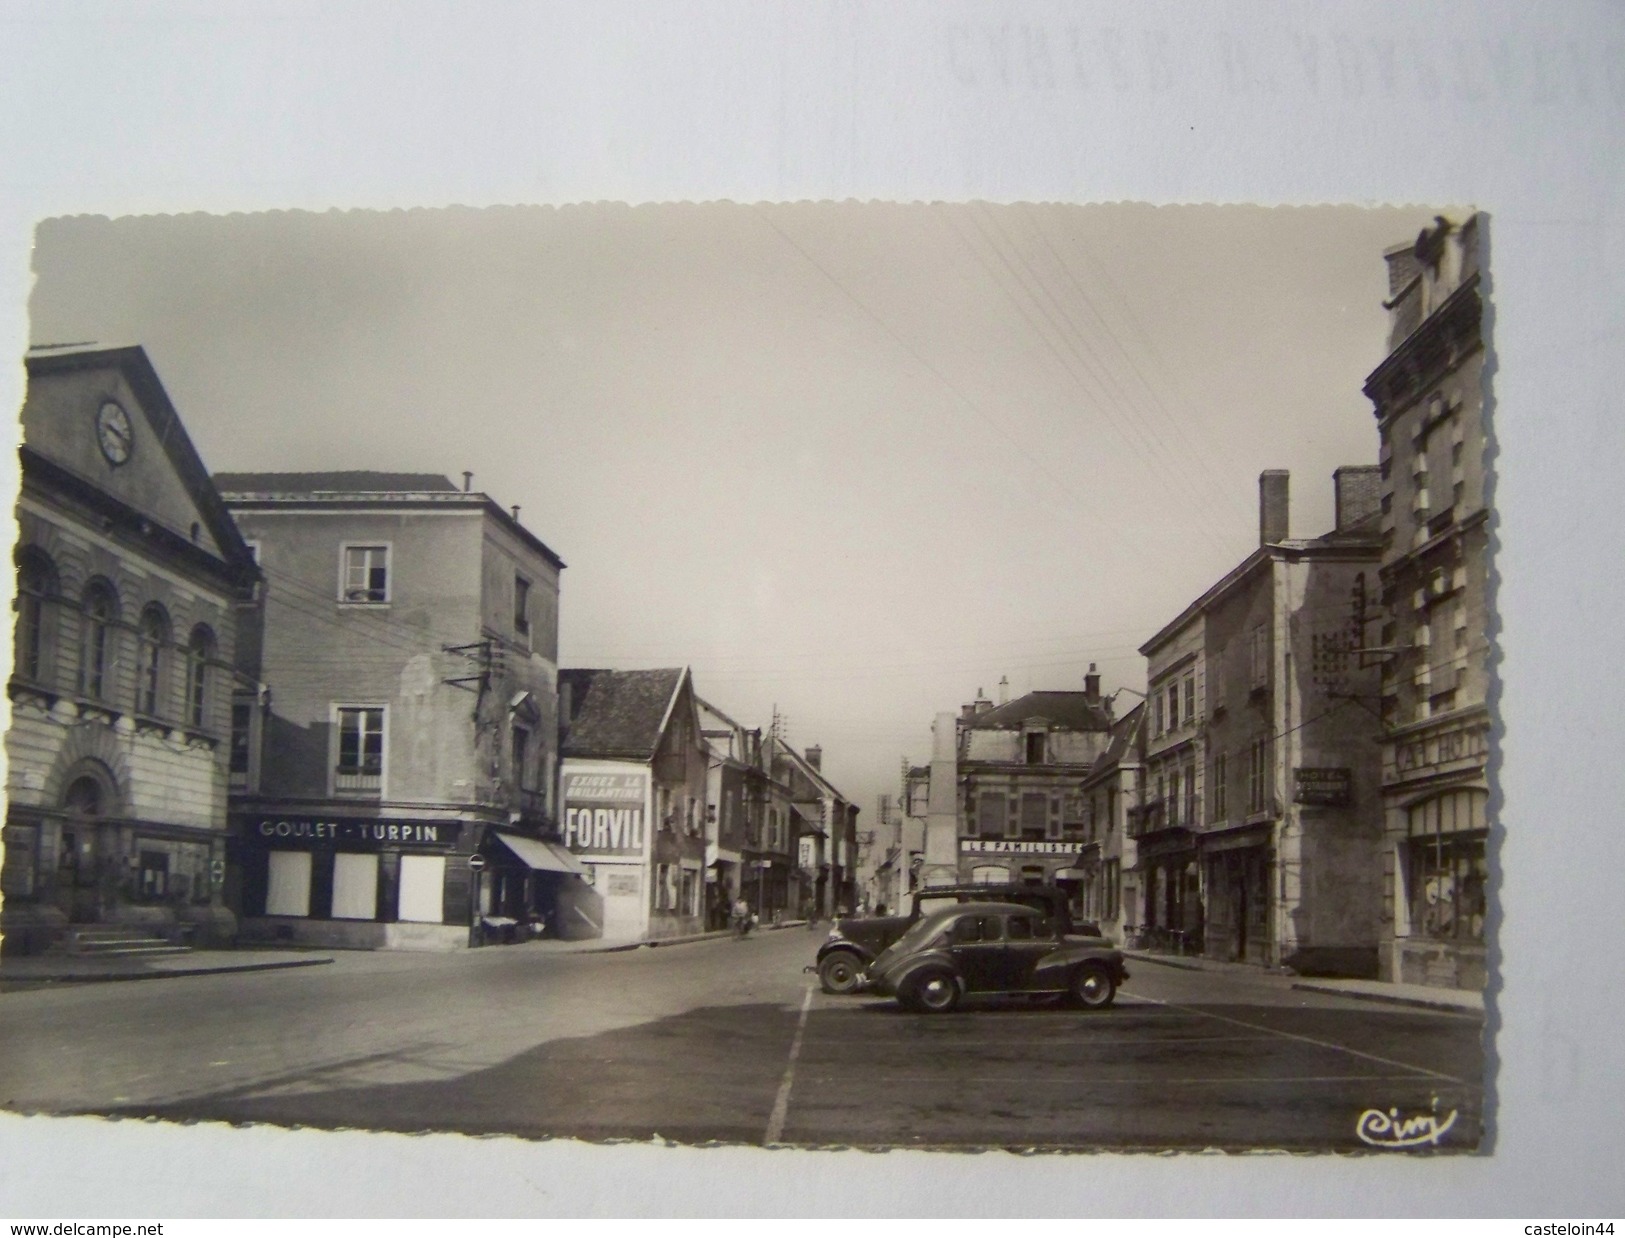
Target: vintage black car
{"points": [[856, 941], [986, 949]]}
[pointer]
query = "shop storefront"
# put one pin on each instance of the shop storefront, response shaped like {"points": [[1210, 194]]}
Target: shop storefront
{"points": [[1173, 915], [73, 868], [368, 883], [993, 861], [1239, 864], [1436, 853]]}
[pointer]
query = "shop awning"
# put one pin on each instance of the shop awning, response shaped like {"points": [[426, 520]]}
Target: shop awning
{"points": [[544, 857]]}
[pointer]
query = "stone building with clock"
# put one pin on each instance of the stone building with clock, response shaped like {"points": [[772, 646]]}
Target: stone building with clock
{"points": [[130, 579]]}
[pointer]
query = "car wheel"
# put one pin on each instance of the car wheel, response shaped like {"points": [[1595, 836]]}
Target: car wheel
{"points": [[840, 972], [1093, 987], [936, 992]]}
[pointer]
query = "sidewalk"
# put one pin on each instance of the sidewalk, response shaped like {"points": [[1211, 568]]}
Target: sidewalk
{"points": [[596, 945], [41, 969], [1420, 995], [89, 968]]}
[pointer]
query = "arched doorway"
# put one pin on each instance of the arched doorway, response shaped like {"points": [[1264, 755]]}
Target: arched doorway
{"points": [[89, 796]]}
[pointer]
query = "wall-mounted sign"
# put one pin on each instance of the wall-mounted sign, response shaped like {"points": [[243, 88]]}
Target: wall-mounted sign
{"points": [[1324, 786], [1010, 846], [314, 831], [604, 813], [1441, 748]]}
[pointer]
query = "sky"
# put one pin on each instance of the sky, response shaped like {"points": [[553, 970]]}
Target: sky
{"points": [[852, 462]]}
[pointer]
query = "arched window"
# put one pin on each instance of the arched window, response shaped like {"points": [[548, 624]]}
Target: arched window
{"points": [[36, 584], [84, 797], [199, 653], [151, 655], [97, 649]]}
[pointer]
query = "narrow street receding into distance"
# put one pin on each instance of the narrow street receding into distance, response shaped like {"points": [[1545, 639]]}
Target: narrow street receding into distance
{"points": [[728, 1041]]}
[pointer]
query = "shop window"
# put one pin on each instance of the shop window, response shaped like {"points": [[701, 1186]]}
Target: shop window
{"points": [[200, 653], [152, 876], [423, 889], [21, 861], [359, 769], [364, 578], [96, 652], [355, 886], [1449, 869], [1032, 874], [665, 887], [287, 889], [989, 874], [152, 642]]}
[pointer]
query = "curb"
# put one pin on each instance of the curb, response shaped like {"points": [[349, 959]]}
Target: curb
{"points": [[1392, 999], [1165, 961], [714, 935], [176, 974]]}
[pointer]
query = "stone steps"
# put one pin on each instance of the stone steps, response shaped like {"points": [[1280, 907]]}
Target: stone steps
{"points": [[103, 941]]}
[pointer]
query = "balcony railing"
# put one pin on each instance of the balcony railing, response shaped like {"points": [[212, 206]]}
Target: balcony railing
{"points": [[353, 780]]}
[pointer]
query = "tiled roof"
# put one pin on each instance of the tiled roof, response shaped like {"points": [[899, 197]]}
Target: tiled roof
{"points": [[352, 482], [1124, 733], [616, 713], [1066, 711]]}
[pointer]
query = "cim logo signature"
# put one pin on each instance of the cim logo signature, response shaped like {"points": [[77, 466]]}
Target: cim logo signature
{"points": [[1387, 1129]]}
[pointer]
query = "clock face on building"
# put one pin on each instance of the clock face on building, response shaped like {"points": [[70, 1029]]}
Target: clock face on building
{"points": [[114, 434]]}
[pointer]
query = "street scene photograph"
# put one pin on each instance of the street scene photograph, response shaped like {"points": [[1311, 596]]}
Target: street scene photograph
{"points": [[801, 676]]}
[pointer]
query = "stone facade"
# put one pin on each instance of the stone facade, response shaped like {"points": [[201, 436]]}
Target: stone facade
{"points": [[406, 652], [1428, 399], [130, 580], [1258, 836]]}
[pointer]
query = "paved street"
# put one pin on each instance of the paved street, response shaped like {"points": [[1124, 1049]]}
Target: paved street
{"points": [[728, 1041]]}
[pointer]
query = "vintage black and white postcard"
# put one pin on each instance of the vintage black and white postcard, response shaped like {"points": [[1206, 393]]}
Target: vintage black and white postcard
{"points": [[817, 675], [739, 676]]}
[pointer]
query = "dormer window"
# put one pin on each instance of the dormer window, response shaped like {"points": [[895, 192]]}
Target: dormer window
{"points": [[1035, 747]]}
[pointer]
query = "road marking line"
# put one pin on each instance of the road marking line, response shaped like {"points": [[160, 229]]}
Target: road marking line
{"points": [[781, 1102], [1096, 1081], [1310, 1040]]}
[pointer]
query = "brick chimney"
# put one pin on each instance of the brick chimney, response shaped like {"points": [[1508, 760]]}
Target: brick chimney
{"points": [[1359, 494], [1091, 684], [1272, 506], [815, 758], [983, 704]]}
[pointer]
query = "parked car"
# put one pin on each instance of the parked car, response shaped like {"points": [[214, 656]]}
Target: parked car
{"points": [[855, 942], [987, 949]]}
